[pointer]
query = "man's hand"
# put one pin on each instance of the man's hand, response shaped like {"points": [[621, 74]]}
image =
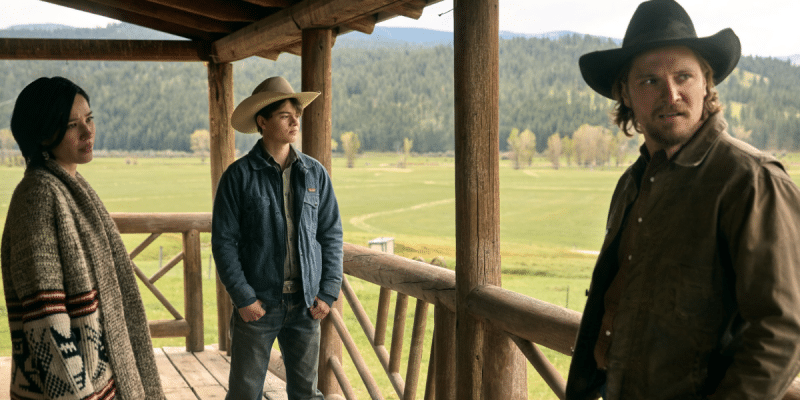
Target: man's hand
{"points": [[252, 312], [320, 309]]}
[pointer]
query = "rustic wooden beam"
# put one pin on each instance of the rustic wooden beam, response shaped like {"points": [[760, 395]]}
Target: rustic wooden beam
{"points": [[363, 25], [168, 328], [411, 9], [271, 3], [444, 348], [276, 31], [417, 279], [103, 50], [221, 10], [193, 290], [556, 327], [315, 75], [161, 222], [295, 49], [543, 366], [415, 350], [283, 28], [269, 55], [171, 15], [191, 32], [316, 67], [477, 183], [223, 151]]}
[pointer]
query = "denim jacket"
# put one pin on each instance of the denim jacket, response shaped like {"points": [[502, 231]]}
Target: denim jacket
{"points": [[248, 232], [711, 303]]}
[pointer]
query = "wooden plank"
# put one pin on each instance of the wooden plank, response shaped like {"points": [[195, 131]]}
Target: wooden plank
{"points": [[180, 394], [190, 368], [222, 10], [216, 364], [193, 32], [274, 388], [210, 392], [5, 376], [170, 378], [169, 15]]}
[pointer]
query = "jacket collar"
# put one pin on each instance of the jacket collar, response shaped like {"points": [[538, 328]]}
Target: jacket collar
{"points": [[698, 147], [258, 157]]}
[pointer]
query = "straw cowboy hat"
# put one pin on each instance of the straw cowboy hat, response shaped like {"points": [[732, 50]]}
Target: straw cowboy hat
{"points": [[267, 92], [660, 23]]}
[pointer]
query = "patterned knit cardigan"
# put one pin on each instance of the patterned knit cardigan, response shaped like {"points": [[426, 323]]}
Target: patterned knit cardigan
{"points": [[78, 325]]}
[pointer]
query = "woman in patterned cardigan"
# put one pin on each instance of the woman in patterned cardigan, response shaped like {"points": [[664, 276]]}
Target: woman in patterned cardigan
{"points": [[78, 325]]}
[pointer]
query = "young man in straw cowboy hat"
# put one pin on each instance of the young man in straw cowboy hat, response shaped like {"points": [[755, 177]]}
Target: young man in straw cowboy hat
{"points": [[696, 291], [277, 242]]}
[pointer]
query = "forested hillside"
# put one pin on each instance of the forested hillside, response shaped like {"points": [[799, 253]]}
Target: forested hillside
{"points": [[385, 94]]}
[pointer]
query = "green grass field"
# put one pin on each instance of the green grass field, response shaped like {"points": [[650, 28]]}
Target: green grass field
{"points": [[550, 222]]}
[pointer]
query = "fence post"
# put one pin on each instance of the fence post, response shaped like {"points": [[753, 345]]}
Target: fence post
{"points": [[193, 290]]}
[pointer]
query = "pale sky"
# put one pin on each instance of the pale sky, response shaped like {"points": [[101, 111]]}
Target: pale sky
{"points": [[765, 27]]}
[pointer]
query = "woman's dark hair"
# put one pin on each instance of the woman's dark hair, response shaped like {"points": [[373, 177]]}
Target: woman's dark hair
{"points": [[41, 115], [270, 109]]}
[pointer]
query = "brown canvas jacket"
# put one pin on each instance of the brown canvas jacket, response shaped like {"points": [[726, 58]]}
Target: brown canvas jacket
{"points": [[712, 300]]}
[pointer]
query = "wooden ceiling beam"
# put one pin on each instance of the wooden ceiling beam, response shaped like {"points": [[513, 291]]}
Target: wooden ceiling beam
{"points": [[411, 9], [281, 29], [167, 14], [269, 34], [271, 3], [103, 50], [363, 25], [136, 19], [222, 10]]}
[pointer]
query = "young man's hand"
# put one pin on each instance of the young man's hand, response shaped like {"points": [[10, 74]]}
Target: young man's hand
{"points": [[252, 312], [320, 309]]}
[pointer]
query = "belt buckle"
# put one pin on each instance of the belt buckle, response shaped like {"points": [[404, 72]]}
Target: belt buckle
{"points": [[290, 286]]}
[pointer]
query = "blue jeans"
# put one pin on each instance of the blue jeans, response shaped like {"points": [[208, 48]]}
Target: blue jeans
{"points": [[298, 336]]}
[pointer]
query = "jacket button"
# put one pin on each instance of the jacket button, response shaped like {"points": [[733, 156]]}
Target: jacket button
{"points": [[608, 333]]}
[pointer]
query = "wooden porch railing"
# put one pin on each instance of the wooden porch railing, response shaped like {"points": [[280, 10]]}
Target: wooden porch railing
{"points": [[527, 321], [189, 225]]}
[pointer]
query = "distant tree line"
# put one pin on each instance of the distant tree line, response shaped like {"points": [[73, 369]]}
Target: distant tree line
{"points": [[385, 96]]}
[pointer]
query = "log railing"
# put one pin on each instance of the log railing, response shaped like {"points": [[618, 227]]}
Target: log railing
{"points": [[527, 321], [189, 225]]}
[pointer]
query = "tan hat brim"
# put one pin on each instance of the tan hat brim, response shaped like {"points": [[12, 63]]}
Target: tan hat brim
{"points": [[243, 117]]}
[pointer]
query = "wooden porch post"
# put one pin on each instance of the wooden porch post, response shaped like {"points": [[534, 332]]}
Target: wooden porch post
{"points": [[316, 77], [483, 355], [222, 143]]}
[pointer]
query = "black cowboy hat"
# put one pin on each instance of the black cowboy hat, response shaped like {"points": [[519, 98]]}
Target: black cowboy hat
{"points": [[660, 23]]}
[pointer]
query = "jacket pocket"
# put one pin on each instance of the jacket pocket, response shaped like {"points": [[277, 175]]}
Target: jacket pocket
{"points": [[310, 214]]}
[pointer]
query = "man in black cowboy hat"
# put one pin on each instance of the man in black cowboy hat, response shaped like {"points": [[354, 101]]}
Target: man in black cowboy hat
{"points": [[696, 291], [276, 235]]}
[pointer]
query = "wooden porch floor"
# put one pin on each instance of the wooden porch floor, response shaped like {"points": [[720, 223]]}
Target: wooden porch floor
{"points": [[184, 375]]}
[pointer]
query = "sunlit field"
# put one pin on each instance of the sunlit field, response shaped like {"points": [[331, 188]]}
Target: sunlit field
{"points": [[551, 225]]}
